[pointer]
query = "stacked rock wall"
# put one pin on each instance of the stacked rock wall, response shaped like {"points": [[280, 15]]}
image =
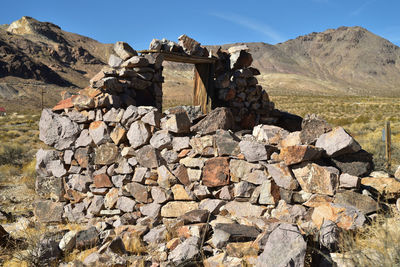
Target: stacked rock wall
{"points": [[134, 170]]}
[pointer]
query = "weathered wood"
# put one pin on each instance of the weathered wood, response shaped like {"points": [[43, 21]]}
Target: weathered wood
{"points": [[388, 142], [203, 91], [179, 57]]}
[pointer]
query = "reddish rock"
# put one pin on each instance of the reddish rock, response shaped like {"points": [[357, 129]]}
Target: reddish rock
{"points": [[182, 175], [138, 191], [300, 153], [102, 180], [216, 172], [64, 104]]}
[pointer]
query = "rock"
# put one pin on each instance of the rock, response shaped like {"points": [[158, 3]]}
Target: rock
{"points": [[180, 193], [203, 145], [227, 143], [161, 139], [138, 134], [243, 189], [282, 176], [313, 127], [131, 114], [329, 234], [293, 139], [212, 205], [387, 187], [124, 50], [187, 251], [337, 142], [111, 198], [349, 181], [193, 162], [156, 235], [152, 210], [238, 232], [254, 151], [125, 204], [57, 131], [82, 102], [178, 208], [136, 61], [49, 187], [102, 180], [269, 134], [47, 211], [244, 209], [241, 168], [98, 130], [285, 246], [48, 252], [148, 157], [67, 242], [152, 118], [256, 177], [240, 59], [179, 143], [139, 175], [160, 195], [138, 191], [241, 249], [300, 153], [82, 156], [189, 45], [363, 203], [56, 168], [269, 193], [43, 158], [86, 239], [165, 178], [114, 61], [181, 172], [195, 216], [84, 139], [96, 205], [219, 118], [118, 135], [177, 123], [357, 164], [346, 217], [216, 172], [397, 173], [123, 167], [106, 154], [317, 179]]}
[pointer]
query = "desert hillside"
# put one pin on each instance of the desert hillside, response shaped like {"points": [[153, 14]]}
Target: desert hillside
{"points": [[39, 56]]}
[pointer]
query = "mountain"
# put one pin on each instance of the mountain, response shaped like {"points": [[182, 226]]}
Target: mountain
{"points": [[38, 55], [344, 61]]}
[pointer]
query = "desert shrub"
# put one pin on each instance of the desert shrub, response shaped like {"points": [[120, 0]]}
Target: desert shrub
{"points": [[12, 154], [8, 171]]}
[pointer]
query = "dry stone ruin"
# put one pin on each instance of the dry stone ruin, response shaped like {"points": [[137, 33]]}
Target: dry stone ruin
{"points": [[244, 183]]}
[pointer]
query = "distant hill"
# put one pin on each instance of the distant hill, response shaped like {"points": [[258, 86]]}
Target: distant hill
{"points": [[345, 61]]}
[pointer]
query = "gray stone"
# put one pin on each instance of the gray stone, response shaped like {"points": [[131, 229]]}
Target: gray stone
{"points": [[165, 177], [161, 139], [266, 196], [219, 238], [68, 154], [50, 187], [329, 234], [123, 167], [79, 182], [177, 123], [67, 242], [313, 127], [138, 134], [358, 164], [240, 59], [43, 157], [219, 118], [139, 175], [256, 177], [282, 176], [76, 116], [118, 180], [124, 50], [125, 204], [56, 168], [254, 151], [349, 181], [96, 205], [187, 251], [179, 143], [240, 168], [160, 195], [285, 247], [114, 61], [194, 174], [152, 118], [98, 130], [113, 115], [152, 210], [169, 156], [84, 139], [238, 232], [269, 134], [212, 205], [148, 157], [244, 209], [56, 130], [227, 143], [135, 61], [131, 114], [195, 216], [86, 239], [156, 235], [363, 203], [337, 142], [193, 162], [243, 189]]}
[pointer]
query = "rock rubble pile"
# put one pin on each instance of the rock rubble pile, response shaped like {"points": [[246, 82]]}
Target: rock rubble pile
{"points": [[179, 186]]}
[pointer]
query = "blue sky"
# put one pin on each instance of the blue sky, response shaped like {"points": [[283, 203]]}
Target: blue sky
{"points": [[209, 22]]}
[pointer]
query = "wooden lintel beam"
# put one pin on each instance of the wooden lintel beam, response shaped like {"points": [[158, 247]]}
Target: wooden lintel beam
{"points": [[178, 57]]}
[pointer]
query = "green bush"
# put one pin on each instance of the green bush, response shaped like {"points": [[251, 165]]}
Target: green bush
{"points": [[12, 154]]}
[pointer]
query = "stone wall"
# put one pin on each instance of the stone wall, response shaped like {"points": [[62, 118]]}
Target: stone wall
{"points": [[132, 170]]}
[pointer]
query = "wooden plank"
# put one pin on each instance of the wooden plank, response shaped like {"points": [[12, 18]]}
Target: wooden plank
{"points": [[179, 57], [388, 147], [203, 92]]}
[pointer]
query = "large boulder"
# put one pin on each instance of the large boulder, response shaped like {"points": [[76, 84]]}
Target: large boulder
{"points": [[337, 142], [284, 247]]}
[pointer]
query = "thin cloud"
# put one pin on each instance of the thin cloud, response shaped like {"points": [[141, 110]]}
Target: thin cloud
{"points": [[250, 24], [361, 8]]}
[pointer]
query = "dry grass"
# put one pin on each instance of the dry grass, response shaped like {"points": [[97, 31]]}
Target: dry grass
{"points": [[373, 245]]}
